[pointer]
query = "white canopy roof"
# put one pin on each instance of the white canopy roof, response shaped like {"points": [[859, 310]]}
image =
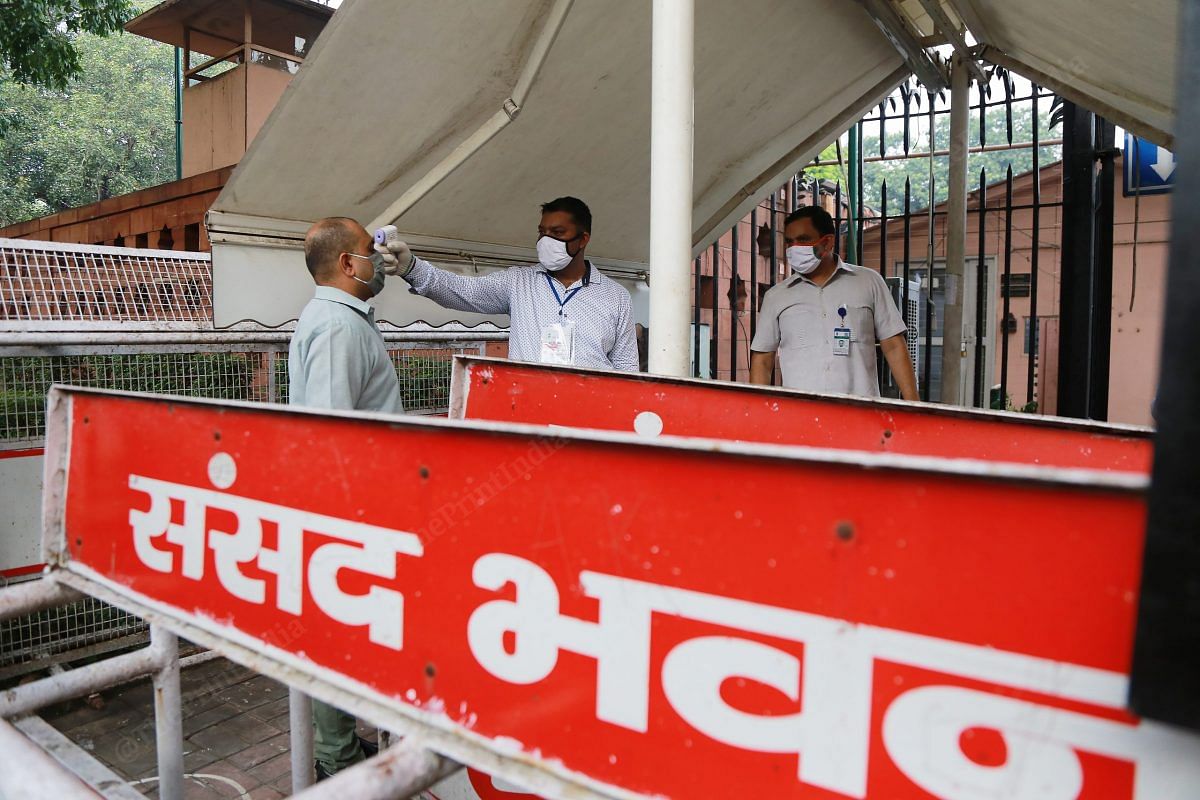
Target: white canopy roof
{"points": [[446, 114]]}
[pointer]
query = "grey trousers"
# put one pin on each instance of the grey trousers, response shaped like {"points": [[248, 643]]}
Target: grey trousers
{"points": [[335, 743]]}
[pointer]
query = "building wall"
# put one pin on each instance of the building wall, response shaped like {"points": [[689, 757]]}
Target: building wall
{"points": [[214, 122], [266, 86], [1136, 333], [166, 217], [221, 116]]}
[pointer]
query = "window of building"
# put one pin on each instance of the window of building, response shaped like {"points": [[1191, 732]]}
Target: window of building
{"points": [[1017, 285]]}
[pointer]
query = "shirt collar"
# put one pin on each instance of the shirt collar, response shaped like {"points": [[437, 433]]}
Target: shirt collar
{"points": [[841, 265], [345, 298], [590, 276]]}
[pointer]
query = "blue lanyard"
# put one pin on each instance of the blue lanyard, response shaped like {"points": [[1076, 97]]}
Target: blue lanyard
{"points": [[562, 301]]}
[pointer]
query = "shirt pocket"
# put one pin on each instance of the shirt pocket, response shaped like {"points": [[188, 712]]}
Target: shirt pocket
{"points": [[802, 327], [862, 323]]}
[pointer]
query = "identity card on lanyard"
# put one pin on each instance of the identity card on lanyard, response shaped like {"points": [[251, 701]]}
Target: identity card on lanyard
{"points": [[841, 335], [558, 338]]}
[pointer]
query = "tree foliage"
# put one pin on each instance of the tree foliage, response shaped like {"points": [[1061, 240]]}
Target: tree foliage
{"points": [[108, 132], [916, 170], [38, 37]]}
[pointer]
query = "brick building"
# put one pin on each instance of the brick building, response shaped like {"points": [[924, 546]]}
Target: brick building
{"points": [[252, 50]]}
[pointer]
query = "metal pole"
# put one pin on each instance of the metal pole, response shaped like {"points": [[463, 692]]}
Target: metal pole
{"points": [[80, 681], [300, 723], [178, 114], [1033, 379], [398, 772], [837, 218], [981, 294], [1166, 658], [714, 350], [857, 189], [774, 238], [1006, 288], [883, 234], [1085, 314], [733, 302], [954, 347], [26, 598], [168, 719], [696, 322], [1076, 259], [39, 775], [671, 141], [930, 309], [1102, 269], [753, 272]]}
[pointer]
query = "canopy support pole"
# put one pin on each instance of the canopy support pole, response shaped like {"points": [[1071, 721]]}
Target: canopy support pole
{"points": [[954, 353], [672, 124]]}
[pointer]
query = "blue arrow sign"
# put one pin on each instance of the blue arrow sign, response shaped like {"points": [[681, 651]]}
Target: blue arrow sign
{"points": [[1149, 169]]}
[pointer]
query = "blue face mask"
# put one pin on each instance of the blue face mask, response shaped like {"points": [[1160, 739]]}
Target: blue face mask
{"points": [[375, 284]]}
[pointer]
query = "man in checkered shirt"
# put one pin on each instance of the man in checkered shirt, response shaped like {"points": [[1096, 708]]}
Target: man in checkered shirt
{"points": [[561, 311]]}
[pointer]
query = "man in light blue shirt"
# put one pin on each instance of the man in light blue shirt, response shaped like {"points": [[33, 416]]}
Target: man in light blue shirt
{"points": [[337, 359]]}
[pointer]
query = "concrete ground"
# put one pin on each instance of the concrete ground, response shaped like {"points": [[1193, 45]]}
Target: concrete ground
{"points": [[235, 733]]}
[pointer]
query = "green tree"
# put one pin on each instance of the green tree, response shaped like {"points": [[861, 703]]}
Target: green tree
{"points": [[108, 132], [916, 170], [38, 37]]}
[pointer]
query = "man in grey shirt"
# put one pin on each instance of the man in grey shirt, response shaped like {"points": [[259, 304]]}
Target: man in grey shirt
{"points": [[337, 359], [562, 311], [824, 322]]}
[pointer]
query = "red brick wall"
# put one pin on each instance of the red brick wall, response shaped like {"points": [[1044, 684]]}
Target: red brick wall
{"points": [[161, 214]]}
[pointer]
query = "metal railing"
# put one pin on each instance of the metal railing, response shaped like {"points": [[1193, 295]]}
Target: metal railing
{"points": [[141, 320], [237, 366], [401, 770], [60, 285]]}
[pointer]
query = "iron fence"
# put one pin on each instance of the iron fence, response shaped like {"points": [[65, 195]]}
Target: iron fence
{"points": [[887, 195], [139, 320], [63, 285]]}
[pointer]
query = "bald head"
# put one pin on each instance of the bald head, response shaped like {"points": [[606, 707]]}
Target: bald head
{"points": [[326, 240]]}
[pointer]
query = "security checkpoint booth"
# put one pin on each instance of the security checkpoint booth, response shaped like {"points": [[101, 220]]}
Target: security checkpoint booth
{"points": [[872, 600]]}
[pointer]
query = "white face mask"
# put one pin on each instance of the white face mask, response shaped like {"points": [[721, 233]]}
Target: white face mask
{"points": [[803, 259], [552, 253]]}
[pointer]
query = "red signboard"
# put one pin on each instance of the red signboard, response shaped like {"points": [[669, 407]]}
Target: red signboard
{"points": [[595, 615], [512, 391]]}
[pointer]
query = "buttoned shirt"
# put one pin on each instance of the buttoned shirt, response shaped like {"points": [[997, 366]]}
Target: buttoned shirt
{"points": [[798, 319], [337, 358], [601, 309]]}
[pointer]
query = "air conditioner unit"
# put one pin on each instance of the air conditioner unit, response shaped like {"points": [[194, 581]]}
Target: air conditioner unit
{"points": [[910, 309]]}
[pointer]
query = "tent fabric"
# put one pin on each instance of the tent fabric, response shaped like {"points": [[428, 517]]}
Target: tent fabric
{"points": [[1111, 56], [393, 89]]}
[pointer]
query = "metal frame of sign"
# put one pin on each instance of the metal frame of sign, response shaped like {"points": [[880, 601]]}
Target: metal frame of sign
{"points": [[995, 591], [500, 390]]}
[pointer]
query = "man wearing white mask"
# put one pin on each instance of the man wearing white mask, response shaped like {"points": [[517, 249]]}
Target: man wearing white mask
{"points": [[562, 311], [825, 320]]}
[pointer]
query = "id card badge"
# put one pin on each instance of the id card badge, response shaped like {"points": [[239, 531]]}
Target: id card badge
{"points": [[558, 343], [841, 341]]}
